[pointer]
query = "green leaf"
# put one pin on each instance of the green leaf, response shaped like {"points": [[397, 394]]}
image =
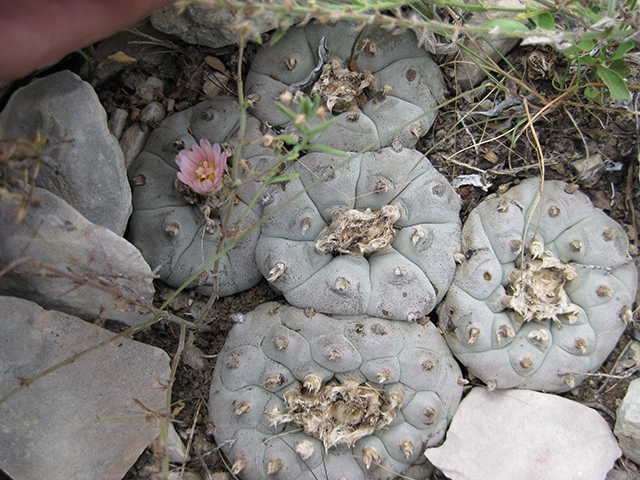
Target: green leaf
{"points": [[620, 67], [530, 14], [277, 35], [329, 150], [586, 45], [316, 102], [283, 178], [614, 83], [545, 21], [587, 60], [320, 128], [587, 13], [286, 110], [623, 48], [306, 106], [288, 139], [506, 25], [583, 46], [593, 94]]}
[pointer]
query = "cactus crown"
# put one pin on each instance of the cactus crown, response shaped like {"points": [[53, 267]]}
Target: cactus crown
{"points": [[336, 412], [536, 289]]}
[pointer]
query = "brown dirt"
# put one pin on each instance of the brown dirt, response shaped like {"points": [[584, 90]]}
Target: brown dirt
{"points": [[563, 132]]}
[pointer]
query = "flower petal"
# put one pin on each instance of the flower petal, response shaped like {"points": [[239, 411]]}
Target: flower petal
{"points": [[207, 185], [185, 161], [201, 167], [184, 179]]}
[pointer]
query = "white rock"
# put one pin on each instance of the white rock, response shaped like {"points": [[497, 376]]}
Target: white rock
{"points": [[76, 422], [176, 451], [151, 89], [89, 171], [525, 435], [64, 262], [627, 427], [117, 122], [180, 476]]}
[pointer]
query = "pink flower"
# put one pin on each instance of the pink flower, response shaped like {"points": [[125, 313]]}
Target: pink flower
{"points": [[201, 167]]}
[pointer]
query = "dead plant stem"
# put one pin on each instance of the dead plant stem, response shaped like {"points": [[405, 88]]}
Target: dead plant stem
{"points": [[164, 422]]}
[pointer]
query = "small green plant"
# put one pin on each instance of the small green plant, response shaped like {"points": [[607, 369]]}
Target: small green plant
{"points": [[604, 52], [288, 147], [606, 63]]}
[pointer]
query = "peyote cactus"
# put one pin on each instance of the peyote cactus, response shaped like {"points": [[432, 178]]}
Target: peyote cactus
{"points": [[299, 395], [372, 80], [167, 227], [543, 290], [378, 236]]}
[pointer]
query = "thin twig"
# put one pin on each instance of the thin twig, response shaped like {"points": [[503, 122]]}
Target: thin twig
{"points": [[613, 369], [602, 408], [13, 265], [473, 140], [164, 422], [191, 434], [575, 124]]}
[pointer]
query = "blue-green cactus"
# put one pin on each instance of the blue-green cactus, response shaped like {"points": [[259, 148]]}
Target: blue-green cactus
{"points": [[377, 237], [543, 290], [295, 392], [403, 83], [172, 233]]}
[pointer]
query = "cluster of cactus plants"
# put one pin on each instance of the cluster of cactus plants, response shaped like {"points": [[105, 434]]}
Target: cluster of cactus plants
{"points": [[352, 380]]}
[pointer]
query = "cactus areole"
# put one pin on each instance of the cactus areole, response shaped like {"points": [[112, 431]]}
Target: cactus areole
{"points": [[543, 291]]}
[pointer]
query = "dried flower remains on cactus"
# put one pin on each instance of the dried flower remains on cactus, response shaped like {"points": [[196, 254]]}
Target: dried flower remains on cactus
{"points": [[201, 167]]}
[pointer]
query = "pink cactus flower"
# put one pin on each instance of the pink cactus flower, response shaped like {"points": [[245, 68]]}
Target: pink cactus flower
{"points": [[201, 167]]}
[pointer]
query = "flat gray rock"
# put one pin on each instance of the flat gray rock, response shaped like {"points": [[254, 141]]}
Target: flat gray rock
{"points": [[59, 259], [88, 165], [525, 435], [51, 429], [197, 24], [204, 25], [627, 427]]}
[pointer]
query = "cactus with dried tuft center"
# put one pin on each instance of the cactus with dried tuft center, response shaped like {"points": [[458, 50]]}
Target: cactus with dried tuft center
{"points": [[378, 236], [359, 396], [543, 289], [372, 80]]}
